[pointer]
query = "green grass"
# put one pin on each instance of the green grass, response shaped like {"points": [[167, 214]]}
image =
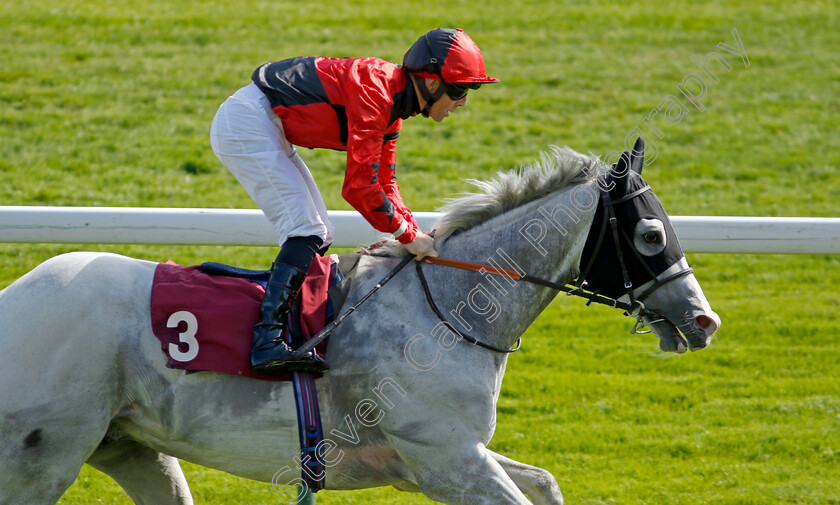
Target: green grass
{"points": [[109, 104]]}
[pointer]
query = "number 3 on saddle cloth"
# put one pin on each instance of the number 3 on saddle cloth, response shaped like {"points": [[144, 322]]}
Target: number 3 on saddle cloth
{"points": [[204, 318], [204, 315]]}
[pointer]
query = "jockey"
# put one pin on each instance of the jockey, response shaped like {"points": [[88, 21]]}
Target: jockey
{"points": [[350, 104]]}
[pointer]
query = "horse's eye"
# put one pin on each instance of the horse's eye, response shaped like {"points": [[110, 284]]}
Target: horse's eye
{"points": [[652, 237]]}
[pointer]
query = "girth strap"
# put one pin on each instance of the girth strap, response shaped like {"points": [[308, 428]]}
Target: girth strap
{"points": [[310, 432]]}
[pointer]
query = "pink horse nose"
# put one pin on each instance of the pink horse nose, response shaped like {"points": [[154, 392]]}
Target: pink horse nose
{"points": [[708, 324]]}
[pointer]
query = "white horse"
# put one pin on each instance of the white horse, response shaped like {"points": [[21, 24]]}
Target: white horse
{"points": [[406, 402]]}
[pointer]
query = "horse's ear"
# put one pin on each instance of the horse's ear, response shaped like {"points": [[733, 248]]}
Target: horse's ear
{"points": [[638, 156], [619, 172]]}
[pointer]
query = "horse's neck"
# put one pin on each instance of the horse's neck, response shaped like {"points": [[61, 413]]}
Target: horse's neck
{"points": [[544, 238]]}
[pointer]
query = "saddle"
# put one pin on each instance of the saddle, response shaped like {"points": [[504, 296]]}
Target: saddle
{"points": [[204, 315]]}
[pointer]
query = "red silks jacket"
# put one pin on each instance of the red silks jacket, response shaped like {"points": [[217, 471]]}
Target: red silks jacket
{"points": [[355, 105]]}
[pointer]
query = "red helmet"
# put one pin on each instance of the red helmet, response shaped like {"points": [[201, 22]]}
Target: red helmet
{"points": [[447, 55]]}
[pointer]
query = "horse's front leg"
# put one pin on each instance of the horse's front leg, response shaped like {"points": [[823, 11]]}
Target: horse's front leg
{"points": [[537, 483], [467, 474]]}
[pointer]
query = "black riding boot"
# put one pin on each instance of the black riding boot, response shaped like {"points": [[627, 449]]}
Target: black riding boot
{"points": [[269, 352]]}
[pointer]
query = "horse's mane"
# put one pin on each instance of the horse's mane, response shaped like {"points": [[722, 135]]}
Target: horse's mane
{"points": [[557, 169]]}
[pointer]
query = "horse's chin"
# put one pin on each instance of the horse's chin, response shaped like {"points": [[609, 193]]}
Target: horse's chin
{"points": [[670, 338]]}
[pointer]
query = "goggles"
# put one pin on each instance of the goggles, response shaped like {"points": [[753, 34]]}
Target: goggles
{"points": [[457, 91]]}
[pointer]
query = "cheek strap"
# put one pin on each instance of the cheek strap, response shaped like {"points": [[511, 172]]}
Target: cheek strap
{"points": [[429, 97]]}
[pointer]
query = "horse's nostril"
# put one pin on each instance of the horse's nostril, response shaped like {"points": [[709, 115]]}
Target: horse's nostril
{"points": [[706, 323]]}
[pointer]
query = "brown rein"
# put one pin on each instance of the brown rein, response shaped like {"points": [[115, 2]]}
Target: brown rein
{"points": [[475, 267]]}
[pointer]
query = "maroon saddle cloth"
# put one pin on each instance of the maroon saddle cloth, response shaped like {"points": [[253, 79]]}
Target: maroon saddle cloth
{"points": [[205, 322]]}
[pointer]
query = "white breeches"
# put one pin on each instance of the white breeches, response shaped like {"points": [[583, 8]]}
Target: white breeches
{"points": [[248, 139]]}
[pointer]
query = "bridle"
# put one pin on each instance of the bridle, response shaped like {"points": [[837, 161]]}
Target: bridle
{"points": [[635, 307]]}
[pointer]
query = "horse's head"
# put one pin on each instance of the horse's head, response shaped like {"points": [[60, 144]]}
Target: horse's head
{"points": [[633, 254]]}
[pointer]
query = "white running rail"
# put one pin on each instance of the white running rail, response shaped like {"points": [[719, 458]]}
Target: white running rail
{"points": [[134, 225]]}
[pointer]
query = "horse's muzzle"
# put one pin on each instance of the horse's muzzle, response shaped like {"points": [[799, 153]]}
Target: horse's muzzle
{"points": [[704, 328]]}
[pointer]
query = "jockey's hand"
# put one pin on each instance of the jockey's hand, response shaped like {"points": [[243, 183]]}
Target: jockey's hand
{"points": [[423, 245]]}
